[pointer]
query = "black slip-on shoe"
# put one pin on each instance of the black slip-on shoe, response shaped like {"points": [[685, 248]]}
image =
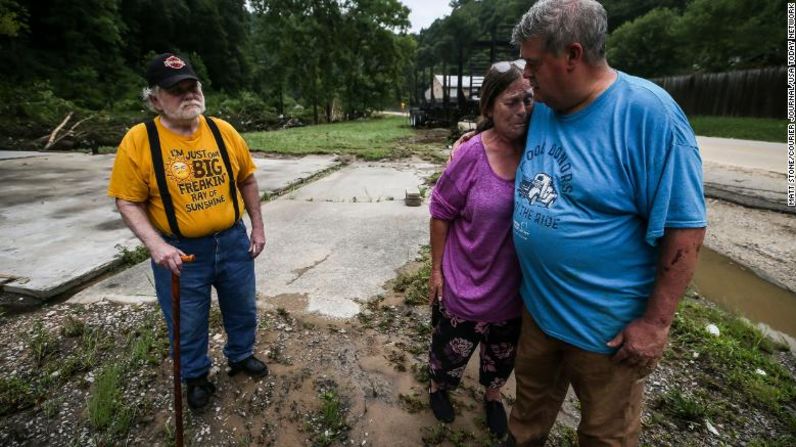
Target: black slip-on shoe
{"points": [[199, 392], [251, 366], [496, 417], [441, 406]]}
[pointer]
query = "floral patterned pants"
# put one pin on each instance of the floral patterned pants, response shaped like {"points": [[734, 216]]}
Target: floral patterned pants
{"points": [[454, 340]]}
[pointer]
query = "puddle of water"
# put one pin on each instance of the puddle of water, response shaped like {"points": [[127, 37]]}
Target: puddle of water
{"points": [[738, 289]]}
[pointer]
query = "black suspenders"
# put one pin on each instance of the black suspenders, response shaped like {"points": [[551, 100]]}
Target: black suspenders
{"points": [[160, 172], [233, 190]]}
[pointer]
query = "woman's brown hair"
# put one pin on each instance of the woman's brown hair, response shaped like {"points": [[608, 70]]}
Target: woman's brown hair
{"points": [[495, 83]]}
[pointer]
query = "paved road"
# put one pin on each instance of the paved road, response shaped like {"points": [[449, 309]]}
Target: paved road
{"points": [[759, 155]]}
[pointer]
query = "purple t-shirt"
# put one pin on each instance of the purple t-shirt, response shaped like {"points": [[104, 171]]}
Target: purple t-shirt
{"points": [[480, 267]]}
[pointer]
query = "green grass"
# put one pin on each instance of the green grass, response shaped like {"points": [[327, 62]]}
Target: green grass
{"points": [[41, 343], [414, 284], [731, 364], [328, 423], [16, 394], [371, 139], [684, 406], [761, 129], [132, 257], [106, 408]]}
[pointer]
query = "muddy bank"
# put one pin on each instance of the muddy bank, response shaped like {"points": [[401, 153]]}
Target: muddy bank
{"points": [[764, 241]]}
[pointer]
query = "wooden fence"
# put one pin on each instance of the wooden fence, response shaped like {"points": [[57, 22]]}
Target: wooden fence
{"points": [[755, 93]]}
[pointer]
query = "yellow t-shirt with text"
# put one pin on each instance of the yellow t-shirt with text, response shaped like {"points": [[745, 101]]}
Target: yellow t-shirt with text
{"points": [[195, 172]]}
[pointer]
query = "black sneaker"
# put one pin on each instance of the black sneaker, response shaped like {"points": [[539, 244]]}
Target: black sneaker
{"points": [[496, 418], [199, 392], [251, 366], [441, 406]]}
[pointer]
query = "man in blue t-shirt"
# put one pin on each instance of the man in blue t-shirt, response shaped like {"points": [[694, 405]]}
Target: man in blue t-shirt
{"points": [[608, 221]]}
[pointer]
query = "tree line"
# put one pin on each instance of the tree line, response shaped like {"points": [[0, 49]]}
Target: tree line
{"points": [[650, 38], [330, 57]]}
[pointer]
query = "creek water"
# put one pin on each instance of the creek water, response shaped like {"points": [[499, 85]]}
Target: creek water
{"points": [[739, 290]]}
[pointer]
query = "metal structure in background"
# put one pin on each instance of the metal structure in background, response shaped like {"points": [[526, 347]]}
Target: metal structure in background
{"points": [[756, 93], [459, 89]]}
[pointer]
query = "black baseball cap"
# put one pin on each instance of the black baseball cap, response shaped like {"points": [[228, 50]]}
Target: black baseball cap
{"points": [[167, 69]]}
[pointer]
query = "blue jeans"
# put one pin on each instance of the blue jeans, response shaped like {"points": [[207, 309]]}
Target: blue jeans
{"points": [[222, 261]]}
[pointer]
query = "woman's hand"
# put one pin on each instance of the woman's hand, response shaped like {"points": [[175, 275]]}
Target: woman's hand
{"points": [[462, 139], [436, 283]]}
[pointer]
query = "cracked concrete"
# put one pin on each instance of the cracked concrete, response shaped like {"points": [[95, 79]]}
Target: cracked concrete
{"points": [[325, 252], [60, 229]]}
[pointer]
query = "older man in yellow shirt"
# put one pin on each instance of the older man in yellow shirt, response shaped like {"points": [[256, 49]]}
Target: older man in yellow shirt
{"points": [[180, 181]]}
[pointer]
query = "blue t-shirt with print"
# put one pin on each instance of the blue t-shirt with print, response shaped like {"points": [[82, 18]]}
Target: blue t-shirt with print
{"points": [[593, 193]]}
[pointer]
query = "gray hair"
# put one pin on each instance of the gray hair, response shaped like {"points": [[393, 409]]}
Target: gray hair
{"points": [[146, 95], [148, 92], [562, 22]]}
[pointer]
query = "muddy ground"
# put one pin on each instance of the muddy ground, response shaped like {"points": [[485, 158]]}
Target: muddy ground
{"points": [[332, 383]]}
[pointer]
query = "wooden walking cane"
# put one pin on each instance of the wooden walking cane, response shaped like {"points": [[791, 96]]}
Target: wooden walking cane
{"points": [[175, 326]]}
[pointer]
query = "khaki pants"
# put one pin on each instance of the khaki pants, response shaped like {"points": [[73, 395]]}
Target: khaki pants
{"points": [[610, 394]]}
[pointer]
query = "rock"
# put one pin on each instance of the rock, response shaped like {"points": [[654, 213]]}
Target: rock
{"points": [[760, 372], [713, 330], [711, 428]]}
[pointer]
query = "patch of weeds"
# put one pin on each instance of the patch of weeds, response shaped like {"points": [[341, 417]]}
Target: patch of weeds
{"points": [[106, 409], [129, 258], [41, 343], [72, 327], [277, 355], [684, 406], [564, 436], [51, 407], [414, 284], [105, 397], [432, 179], [421, 373], [92, 343], [106, 150], [412, 403], [215, 320], [328, 424], [16, 394], [780, 441], [423, 191], [397, 359], [144, 346], [440, 433], [387, 318], [739, 360]]}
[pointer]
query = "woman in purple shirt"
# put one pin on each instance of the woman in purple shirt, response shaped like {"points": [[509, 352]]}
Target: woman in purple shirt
{"points": [[475, 275]]}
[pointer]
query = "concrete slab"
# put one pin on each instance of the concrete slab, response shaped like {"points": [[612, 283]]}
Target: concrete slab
{"points": [[367, 182], [60, 229], [321, 256], [336, 255], [58, 226], [277, 174], [11, 155], [763, 189]]}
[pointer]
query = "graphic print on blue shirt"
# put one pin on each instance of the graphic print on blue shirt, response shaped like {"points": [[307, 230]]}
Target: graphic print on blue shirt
{"points": [[593, 193]]}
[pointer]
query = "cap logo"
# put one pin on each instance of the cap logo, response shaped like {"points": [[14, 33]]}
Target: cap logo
{"points": [[174, 62]]}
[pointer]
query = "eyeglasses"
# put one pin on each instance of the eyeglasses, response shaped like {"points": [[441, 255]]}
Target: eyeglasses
{"points": [[504, 66], [179, 90]]}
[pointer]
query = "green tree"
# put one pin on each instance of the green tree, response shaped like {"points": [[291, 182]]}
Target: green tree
{"points": [[729, 34], [647, 46], [623, 11]]}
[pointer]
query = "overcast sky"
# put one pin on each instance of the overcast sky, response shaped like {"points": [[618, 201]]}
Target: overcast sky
{"points": [[426, 11]]}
